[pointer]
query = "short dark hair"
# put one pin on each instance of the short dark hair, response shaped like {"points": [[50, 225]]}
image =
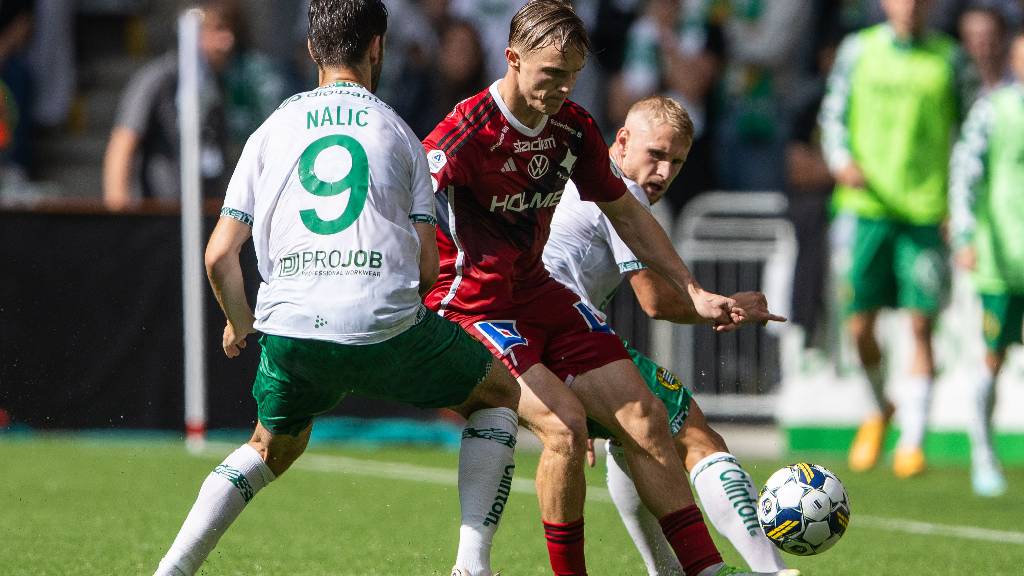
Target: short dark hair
{"points": [[543, 23], [340, 31]]}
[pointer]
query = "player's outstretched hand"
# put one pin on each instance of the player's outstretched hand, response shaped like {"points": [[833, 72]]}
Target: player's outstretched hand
{"points": [[752, 308], [234, 338], [714, 307]]}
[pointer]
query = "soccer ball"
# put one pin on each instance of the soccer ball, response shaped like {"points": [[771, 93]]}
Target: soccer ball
{"points": [[803, 509]]}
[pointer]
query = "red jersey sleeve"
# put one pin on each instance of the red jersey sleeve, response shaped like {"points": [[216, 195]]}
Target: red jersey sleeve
{"points": [[443, 171], [595, 176]]}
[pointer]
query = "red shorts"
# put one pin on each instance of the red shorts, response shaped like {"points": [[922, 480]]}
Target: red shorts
{"points": [[555, 329]]}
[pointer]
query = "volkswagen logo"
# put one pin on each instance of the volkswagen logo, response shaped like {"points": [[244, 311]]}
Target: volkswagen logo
{"points": [[538, 166]]}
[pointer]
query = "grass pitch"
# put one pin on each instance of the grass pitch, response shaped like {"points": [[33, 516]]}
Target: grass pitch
{"points": [[100, 507]]}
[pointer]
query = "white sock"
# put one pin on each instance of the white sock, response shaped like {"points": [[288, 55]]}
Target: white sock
{"points": [[643, 527], [729, 500], [913, 412], [485, 481], [979, 428], [223, 495], [876, 378]]}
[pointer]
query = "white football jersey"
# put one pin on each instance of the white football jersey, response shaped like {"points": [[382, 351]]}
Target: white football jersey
{"points": [[584, 252], [331, 184]]}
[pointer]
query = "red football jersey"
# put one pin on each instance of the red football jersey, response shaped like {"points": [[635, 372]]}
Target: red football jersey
{"points": [[497, 183]]}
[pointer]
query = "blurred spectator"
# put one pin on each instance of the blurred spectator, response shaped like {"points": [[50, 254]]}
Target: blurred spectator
{"points": [[611, 20], [239, 89], [252, 82], [460, 64], [589, 91], [895, 98], [491, 19], [457, 72], [674, 48], [763, 41], [408, 80], [809, 188], [983, 35], [986, 188], [52, 58], [15, 88], [943, 15]]}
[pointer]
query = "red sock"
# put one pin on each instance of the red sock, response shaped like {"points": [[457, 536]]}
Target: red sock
{"points": [[565, 548], [689, 537]]}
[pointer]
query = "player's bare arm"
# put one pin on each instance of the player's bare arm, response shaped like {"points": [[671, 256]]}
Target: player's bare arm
{"points": [[642, 233], [430, 260], [660, 301], [224, 270], [117, 168]]}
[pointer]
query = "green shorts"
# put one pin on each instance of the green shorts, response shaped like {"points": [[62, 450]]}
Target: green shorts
{"points": [[434, 364], [1002, 320], [664, 385], [898, 265]]}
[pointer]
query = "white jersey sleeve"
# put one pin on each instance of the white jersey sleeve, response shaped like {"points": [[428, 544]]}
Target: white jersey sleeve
{"points": [[584, 252], [622, 255], [331, 184], [240, 198], [422, 188]]}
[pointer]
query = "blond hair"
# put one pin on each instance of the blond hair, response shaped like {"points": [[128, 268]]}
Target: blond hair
{"points": [[663, 110], [543, 23]]}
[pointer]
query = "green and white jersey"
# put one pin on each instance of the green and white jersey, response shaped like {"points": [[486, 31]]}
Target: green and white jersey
{"points": [[893, 107], [987, 189], [331, 184], [584, 252]]}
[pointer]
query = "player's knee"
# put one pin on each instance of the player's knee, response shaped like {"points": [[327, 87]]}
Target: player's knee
{"points": [[565, 434], [644, 420], [506, 391]]}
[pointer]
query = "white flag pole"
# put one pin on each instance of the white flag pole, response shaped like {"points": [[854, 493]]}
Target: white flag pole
{"points": [[193, 282]]}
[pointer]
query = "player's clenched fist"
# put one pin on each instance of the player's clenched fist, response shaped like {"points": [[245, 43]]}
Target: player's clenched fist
{"points": [[714, 307], [754, 307], [234, 338]]}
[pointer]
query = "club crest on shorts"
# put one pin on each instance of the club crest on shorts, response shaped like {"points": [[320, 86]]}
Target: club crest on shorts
{"points": [[668, 380], [502, 334], [593, 318]]}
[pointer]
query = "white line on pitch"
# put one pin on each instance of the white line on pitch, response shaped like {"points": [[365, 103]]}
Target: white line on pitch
{"points": [[449, 477], [927, 528]]}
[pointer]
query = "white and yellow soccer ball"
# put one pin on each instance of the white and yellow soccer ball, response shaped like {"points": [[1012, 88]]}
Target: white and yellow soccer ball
{"points": [[803, 509]]}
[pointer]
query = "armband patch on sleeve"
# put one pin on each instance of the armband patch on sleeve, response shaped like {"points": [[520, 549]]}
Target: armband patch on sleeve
{"points": [[631, 266], [423, 219], [237, 215]]}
